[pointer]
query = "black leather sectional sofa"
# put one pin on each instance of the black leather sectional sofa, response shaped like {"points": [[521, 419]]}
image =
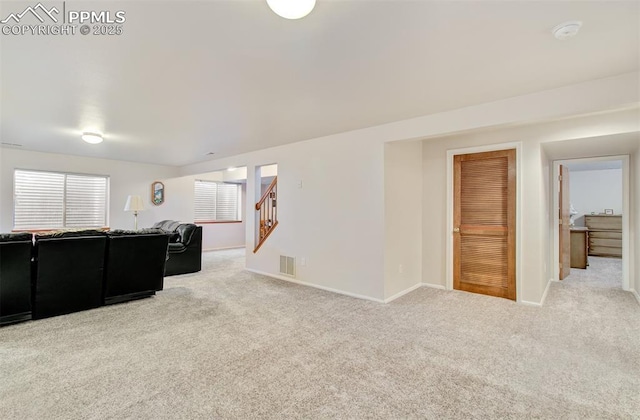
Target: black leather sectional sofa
{"points": [[65, 272]]}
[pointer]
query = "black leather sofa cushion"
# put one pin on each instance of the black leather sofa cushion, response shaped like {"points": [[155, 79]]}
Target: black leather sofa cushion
{"points": [[147, 231], [15, 277], [135, 264], [70, 234], [167, 225], [16, 237], [69, 270]]}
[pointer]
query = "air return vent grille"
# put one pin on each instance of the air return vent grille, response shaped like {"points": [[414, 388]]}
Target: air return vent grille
{"points": [[287, 265]]}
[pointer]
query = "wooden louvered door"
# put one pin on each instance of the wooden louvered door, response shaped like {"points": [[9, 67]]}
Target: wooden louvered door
{"points": [[484, 236]]}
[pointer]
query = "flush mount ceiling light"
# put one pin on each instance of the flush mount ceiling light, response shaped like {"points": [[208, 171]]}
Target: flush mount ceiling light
{"points": [[566, 30], [92, 138], [292, 9]]}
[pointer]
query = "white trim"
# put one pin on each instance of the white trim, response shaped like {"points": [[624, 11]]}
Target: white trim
{"points": [[546, 292], [434, 286], [626, 211], [636, 295], [527, 303], [224, 247], [402, 293], [519, 192], [304, 283]]}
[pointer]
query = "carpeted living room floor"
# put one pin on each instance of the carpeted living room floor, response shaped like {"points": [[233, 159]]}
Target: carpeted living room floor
{"points": [[226, 343]]}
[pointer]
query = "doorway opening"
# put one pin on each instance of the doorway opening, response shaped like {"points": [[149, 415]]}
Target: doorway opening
{"points": [[593, 196]]}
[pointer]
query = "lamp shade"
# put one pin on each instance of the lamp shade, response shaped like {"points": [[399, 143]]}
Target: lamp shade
{"points": [[292, 9], [134, 203]]}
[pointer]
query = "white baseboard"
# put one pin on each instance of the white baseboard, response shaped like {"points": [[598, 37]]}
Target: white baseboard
{"points": [[223, 248], [434, 286], [316, 286], [402, 293], [637, 296]]}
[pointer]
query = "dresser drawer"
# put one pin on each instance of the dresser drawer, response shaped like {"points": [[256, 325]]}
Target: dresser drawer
{"points": [[601, 234], [603, 222], [605, 251], [609, 243]]}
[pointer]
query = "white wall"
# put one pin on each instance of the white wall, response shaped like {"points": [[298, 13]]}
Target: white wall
{"points": [[125, 178], [336, 220], [595, 190], [403, 216]]}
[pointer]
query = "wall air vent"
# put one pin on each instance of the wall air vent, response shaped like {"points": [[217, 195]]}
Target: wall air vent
{"points": [[287, 265]]}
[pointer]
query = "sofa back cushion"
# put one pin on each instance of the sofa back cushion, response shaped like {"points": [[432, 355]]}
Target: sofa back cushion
{"points": [[69, 234], [16, 237], [69, 272], [135, 262], [167, 225], [148, 231]]}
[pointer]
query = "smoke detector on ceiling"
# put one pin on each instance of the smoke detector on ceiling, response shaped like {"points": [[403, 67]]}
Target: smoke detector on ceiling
{"points": [[566, 30]]}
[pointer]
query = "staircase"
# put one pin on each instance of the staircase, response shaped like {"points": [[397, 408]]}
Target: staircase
{"points": [[268, 212]]}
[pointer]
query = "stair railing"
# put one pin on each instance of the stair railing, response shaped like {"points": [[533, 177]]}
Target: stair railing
{"points": [[268, 212]]}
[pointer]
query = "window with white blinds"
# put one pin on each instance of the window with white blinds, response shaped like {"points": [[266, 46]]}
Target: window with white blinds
{"points": [[217, 201], [46, 200]]}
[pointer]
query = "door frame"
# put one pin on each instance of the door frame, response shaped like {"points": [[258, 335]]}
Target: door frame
{"points": [[626, 208], [449, 225]]}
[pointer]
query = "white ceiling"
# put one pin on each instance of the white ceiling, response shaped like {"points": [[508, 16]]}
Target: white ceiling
{"points": [[187, 78]]}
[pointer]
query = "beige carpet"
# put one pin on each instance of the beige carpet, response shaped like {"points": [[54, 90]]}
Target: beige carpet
{"points": [[225, 343]]}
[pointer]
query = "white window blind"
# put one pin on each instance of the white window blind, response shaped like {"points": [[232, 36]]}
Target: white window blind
{"points": [[205, 201], [44, 200], [217, 201]]}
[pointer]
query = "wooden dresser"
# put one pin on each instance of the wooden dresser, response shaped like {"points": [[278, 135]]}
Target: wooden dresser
{"points": [[605, 234]]}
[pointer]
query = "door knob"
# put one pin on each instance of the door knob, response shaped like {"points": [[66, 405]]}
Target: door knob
{"points": [[456, 230]]}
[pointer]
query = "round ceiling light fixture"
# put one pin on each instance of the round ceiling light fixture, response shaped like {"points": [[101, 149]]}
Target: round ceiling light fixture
{"points": [[292, 9], [566, 30], [92, 138]]}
